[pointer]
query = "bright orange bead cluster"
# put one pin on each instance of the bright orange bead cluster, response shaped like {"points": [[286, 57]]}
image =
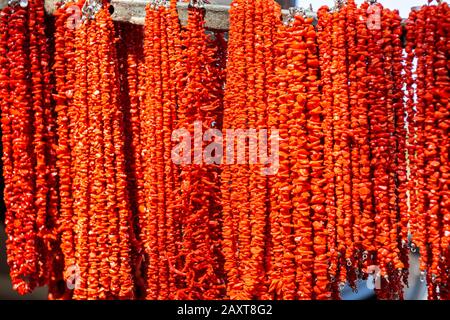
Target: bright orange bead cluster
{"points": [[97, 207], [180, 224], [332, 208], [244, 190], [96, 221], [160, 234], [200, 100], [427, 42], [299, 206], [365, 159], [28, 147]]}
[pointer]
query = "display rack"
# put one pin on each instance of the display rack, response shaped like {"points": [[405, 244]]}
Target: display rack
{"points": [[133, 11]]}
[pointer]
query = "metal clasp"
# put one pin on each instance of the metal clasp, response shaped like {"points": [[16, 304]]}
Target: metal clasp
{"points": [[91, 8], [63, 3], [294, 12], [200, 4], [21, 3], [338, 4]]}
